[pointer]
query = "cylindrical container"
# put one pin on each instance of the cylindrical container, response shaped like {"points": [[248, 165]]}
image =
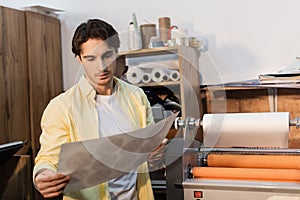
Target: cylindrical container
{"points": [[180, 35], [246, 173], [274, 161], [164, 25], [134, 37], [148, 31]]}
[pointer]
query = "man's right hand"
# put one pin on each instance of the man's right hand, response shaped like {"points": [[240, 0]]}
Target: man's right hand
{"points": [[50, 184]]}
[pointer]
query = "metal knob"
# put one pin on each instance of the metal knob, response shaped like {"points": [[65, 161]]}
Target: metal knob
{"points": [[295, 122], [189, 121]]}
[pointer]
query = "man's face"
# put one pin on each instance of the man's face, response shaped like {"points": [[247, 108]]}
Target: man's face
{"points": [[98, 60]]}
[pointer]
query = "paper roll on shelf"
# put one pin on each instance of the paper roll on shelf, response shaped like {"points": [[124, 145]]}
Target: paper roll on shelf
{"points": [[166, 77], [160, 74], [146, 77], [134, 75], [156, 71], [246, 130], [157, 74], [174, 75]]}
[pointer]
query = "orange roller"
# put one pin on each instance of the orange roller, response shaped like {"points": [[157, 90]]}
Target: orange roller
{"points": [[254, 161], [247, 173]]}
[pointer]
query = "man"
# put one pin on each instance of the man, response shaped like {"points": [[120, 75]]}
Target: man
{"points": [[99, 105]]}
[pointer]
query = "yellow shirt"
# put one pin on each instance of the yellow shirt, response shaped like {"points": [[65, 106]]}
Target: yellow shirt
{"points": [[72, 116]]}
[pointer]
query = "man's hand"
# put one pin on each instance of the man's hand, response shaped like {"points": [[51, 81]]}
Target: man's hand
{"points": [[50, 184], [156, 159]]}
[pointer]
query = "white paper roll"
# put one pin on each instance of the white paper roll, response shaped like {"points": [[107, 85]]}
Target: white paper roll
{"points": [[134, 75], [146, 77], [174, 75], [246, 130], [166, 77], [157, 74]]}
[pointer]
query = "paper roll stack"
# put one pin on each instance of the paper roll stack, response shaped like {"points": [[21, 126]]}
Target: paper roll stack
{"points": [[155, 72], [160, 74], [246, 130]]}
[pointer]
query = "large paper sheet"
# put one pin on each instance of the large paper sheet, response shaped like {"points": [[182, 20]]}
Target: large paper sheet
{"points": [[92, 162]]}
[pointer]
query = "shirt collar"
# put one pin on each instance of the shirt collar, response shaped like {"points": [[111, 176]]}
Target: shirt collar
{"points": [[88, 89]]}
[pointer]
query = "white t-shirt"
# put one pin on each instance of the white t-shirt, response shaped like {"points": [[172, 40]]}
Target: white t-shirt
{"points": [[112, 121]]}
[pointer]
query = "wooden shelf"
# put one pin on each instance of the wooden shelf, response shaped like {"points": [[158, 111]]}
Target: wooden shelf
{"points": [[169, 83], [150, 51], [248, 86], [188, 68]]}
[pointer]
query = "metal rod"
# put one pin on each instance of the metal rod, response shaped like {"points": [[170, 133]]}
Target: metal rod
{"points": [[197, 122]]}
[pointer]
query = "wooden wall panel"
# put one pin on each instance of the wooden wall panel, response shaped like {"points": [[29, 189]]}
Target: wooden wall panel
{"points": [[235, 101], [3, 104], [30, 75], [44, 65], [14, 117]]}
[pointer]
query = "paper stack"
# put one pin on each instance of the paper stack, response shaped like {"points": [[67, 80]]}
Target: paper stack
{"points": [[290, 74]]}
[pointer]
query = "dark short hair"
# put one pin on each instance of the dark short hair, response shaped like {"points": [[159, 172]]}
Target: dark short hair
{"points": [[94, 29]]}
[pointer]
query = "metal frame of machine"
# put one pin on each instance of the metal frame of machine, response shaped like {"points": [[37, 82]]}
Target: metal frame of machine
{"points": [[212, 189]]}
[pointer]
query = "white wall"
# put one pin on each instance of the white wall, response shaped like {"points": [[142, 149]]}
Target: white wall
{"points": [[245, 38]]}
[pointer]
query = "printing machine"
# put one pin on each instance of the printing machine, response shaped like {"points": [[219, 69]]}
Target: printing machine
{"points": [[231, 173]]}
